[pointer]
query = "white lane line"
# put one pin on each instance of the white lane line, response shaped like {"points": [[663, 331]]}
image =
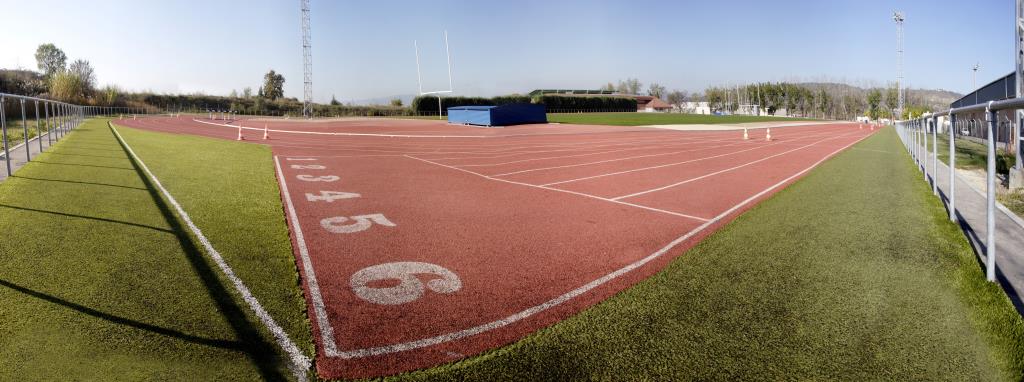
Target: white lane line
{"points": [[560, 190], [725, 170], [319, 309], [671, 164], [650, 146], [344, 134], [299, 362], [618, 159], [405, 346]]}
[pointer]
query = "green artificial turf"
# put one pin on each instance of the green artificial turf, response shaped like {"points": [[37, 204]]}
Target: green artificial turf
{"points": [[640, 119], [852, 273], [100, 280]]}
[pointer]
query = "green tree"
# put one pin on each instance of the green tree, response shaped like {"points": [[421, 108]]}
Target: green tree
{"points": [[676, 97], [66, 86], [334, 101], [396, 102], [85, 72], [50, 59], [247, 92], [874, 98], [655, 90], [892, 96], [273, 85], [109, 95]]}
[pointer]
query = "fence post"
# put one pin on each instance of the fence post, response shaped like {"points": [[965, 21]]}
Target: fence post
{"points": [[990, 228], [49, 132], [3, 126], [24, 127], [952, 166], [924, 149], [39, 133], [935, 155]]}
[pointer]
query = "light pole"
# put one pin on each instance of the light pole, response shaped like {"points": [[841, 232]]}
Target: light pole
{"points": [[974, 82], [897, 16]]}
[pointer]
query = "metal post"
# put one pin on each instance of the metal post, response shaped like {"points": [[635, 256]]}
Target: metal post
{"points": [[935, 155], [39, 134], [24, 126], [990, 242], [49, 130], [952, 167], [924, 149], [3, 126]]}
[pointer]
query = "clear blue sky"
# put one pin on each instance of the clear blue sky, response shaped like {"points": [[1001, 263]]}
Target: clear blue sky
{"points": [[364, 49]]}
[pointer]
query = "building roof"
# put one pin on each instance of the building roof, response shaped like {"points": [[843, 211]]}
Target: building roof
{"points": [[570, 91]]}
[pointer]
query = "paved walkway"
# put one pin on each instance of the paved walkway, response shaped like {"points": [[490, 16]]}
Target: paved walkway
{"points": [[971, 209], [17, 151]]}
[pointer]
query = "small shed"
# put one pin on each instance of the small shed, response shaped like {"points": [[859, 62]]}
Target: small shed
{"points": [[504, 115]]}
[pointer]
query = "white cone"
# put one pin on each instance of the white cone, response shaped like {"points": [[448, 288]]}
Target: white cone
{"points": [[768, 134], [240, 137], [745, 136], [266, 133]]}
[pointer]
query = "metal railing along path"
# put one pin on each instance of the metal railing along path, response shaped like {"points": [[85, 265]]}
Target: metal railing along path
{"points": [[915, 136], [56, 118]]}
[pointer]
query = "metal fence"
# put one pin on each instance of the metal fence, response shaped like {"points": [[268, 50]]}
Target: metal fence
{"points": [[51, 118], [916, 134]]}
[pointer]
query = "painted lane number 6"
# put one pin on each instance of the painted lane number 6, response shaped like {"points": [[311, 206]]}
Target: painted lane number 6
{"points": [[410, 287], [361, 223]]}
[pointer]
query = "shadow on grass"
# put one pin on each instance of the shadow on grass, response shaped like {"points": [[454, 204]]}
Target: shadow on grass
{"points": [[980, 249], [225, 344], [76, 182], [261, 353], [82, 165], [86, 217]]}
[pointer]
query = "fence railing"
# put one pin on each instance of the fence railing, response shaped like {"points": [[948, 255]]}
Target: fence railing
{"points": [[54, 117], [915, 136]]}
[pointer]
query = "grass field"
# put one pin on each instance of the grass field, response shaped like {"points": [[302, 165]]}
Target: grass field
{"points": [[834, 278], [640, 119], [99, 280]]}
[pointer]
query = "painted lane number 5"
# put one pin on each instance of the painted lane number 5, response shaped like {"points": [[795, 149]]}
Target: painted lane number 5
{"points": [[360, 223], [410, 287]]}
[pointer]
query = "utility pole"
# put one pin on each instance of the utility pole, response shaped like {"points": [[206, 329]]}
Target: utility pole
{"points": [[307, 62], [897, 16]]}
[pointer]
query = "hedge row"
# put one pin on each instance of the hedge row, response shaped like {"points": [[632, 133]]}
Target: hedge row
{"points": [[427, 105]]}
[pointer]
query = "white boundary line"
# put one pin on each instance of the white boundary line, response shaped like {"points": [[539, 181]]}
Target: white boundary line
{"points": [[326, 331], [410, 345], [725, 170], [299, 362]]}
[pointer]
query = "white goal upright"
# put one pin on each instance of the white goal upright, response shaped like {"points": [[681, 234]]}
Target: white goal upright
{"points": [[419, 77]]}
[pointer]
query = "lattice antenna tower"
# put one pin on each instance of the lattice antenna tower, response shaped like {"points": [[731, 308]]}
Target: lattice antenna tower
{"points": [[307, 62], [897, 16]]}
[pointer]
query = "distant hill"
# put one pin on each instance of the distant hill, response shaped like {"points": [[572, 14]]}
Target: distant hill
{"points": [[935, 99]]}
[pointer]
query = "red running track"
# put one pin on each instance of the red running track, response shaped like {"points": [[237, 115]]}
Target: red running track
{"points": [[446, 241]]}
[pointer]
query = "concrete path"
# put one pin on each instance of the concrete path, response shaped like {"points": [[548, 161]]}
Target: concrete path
{"points": [[17, 152], [971, 210]]}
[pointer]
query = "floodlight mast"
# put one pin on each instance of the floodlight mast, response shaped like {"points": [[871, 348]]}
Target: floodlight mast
{"points": [[307, 62], [897, 16]]}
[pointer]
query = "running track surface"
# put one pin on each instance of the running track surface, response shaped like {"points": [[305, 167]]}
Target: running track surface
{"points": [[438, 242]]}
